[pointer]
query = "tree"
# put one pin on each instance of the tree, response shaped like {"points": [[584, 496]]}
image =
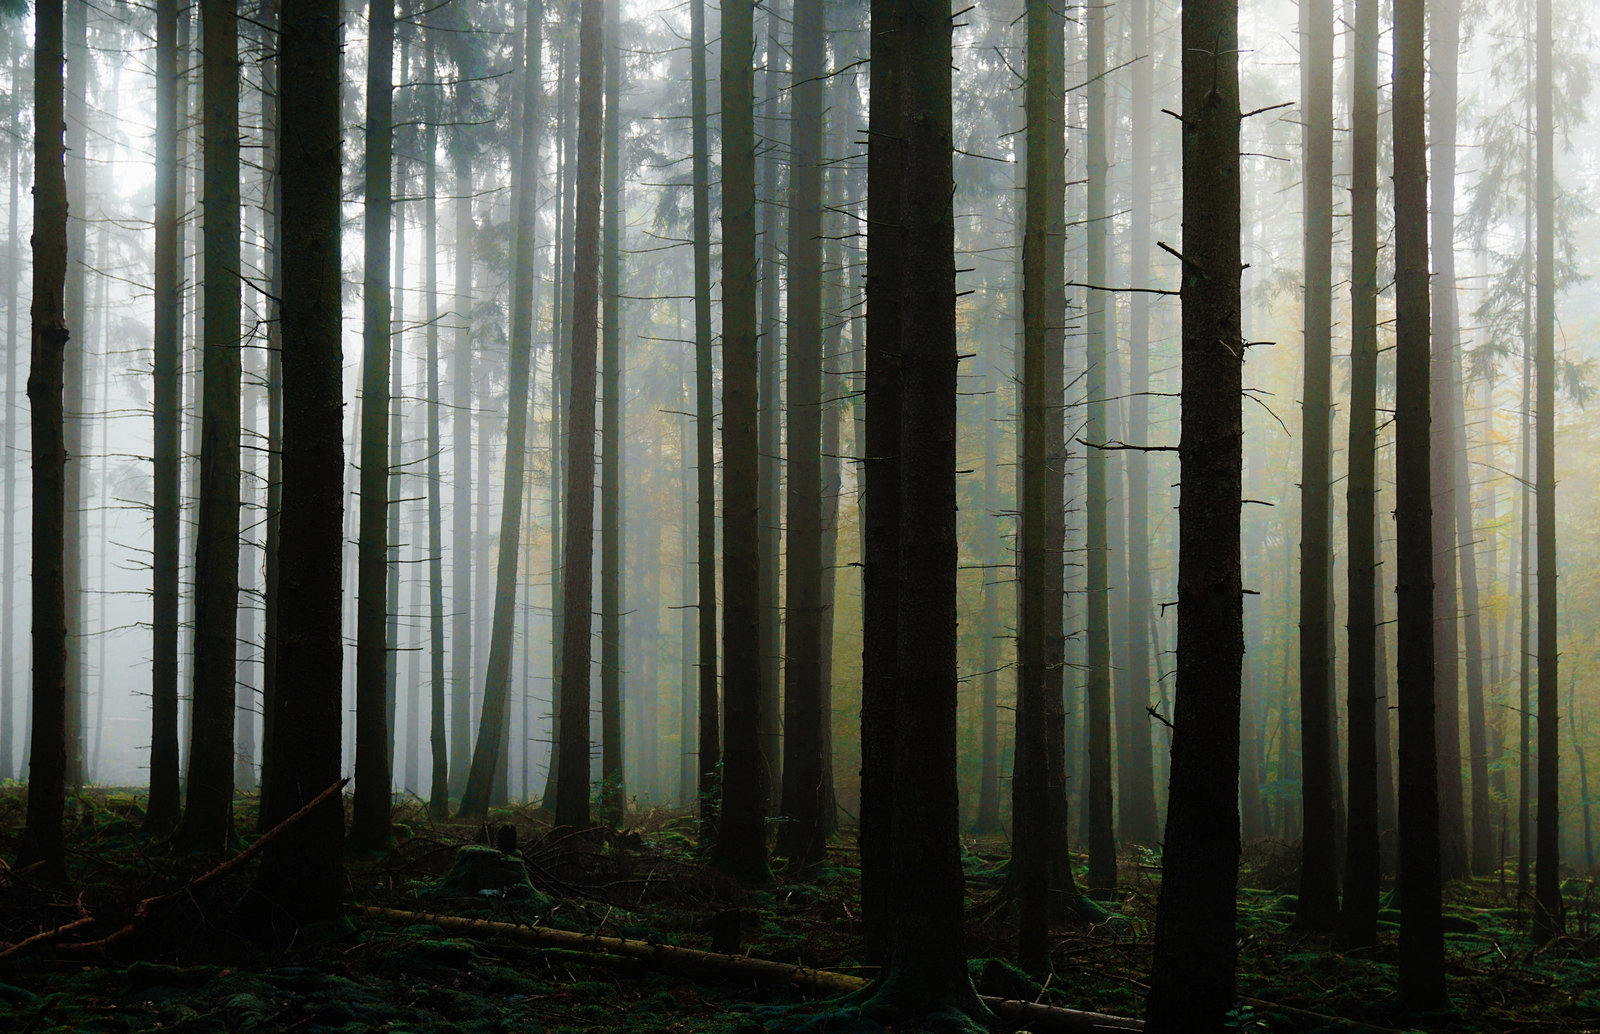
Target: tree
{"points": [[1097, 558], [1359, 912], [572, 795], [488, 758], [741, 847], [770, 416], [612, 474], [439, 781], [162, 813], [42, 840], [1039, 646], [302, 871], [708, 749], [1421, 933], [461, 444], [370, 817], [1192, 979], [803, 837], [1319, 864], [1549, 919]]}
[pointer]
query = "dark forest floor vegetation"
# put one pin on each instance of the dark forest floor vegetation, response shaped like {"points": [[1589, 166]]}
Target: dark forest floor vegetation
{"points": [[187, 967]]}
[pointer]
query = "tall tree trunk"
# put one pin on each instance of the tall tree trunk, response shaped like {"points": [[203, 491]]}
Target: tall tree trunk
{"points": [[572, 797], [208, 812], [771, 412], [396, 464], [1421, 935], [9, 768], [461, 460], [75, 407], [1319, 864], [689, 684], [1136, 795], [488, 758], [370, 816], [709, 747], [1192, 979], [1359, 914], [1097, 601], [439, 777], [1041, 490], [741, 848], [301, 878], [1549, 917], [1444, 24], [802, 839], [42, 840], [612, 474], [1483, 845], [162, 813], [988, 817]]}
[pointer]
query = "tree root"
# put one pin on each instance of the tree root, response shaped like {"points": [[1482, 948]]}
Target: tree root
{"points": [[704, 964]]}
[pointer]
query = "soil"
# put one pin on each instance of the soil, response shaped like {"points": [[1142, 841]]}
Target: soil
{"points": [[188, 970]]}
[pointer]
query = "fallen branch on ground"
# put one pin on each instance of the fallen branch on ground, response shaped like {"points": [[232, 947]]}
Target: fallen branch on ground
{"points": [[694, 963]]}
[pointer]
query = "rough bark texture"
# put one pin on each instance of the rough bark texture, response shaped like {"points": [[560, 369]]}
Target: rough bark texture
{"points": [[612, 473], [162, 813], [47, 764], [1359, 912], [741, 847], [709, 747], [1192, 979], [301, 878], [1421, 935], [369, 820], [803, 838]]}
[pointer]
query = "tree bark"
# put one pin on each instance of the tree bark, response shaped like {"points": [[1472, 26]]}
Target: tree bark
{"points": [[612, 473], [1192, 979], [770, 417]]}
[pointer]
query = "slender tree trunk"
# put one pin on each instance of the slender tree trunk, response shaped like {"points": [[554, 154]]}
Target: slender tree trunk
{"points": [[9, 768], [162, 813], [771, 410], [1421, 935], [1192, 980], [988, 818], [489, 758], [1102, 837], [802, 839], [1483, 846], [572, 798], [439, 779], [689, 683], [1444, 41], [271, 189], [741, 848], [370, 817], [1549, 917], [709, 747], [301, 879], [208, 811], [1319, 865], [42, 840], [1136, 812], [612, 474], [396, 464], [880, 474], [80, 73], [461, 459], [1040, 483], [1359, 915]]}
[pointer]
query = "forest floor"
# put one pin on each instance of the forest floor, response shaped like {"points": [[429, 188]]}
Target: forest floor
{"points": [[188, 970]]}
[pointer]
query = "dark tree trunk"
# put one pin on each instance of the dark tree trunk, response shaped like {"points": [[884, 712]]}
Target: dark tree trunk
{"points": [[208, 812], [1192, 979], [1319, 864], [1482, 844], [75, 402], [709, 748], [612, 473], [162, 813], [439, 778], [1444, 45], [488, 758], [771, 408], [741, 848], [47, 766], [1549, 917], [1359, 914], [1041, 490], [271, 188], [370, 815], [461, 471], [572, 795], [1421, 934], [803, 838], [988, 817], [301, 879], [880, 475]]}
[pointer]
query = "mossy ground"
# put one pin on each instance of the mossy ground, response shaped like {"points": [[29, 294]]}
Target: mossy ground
{"points": [[191, 972]]}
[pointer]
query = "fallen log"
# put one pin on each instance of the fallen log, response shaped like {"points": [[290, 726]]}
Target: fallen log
{"points": [[704, 964]]}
